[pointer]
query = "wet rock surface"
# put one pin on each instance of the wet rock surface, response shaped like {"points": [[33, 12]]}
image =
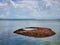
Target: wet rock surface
{"points": [[35, 32]]}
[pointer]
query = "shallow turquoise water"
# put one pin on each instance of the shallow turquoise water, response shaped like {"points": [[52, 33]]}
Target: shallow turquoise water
{"points": [[7, 37]]}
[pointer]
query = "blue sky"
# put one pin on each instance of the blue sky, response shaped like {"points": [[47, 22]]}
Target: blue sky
{"points": [[37, 9]]}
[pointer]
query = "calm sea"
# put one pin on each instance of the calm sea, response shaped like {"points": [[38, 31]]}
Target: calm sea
{"points": [[7, 37]]}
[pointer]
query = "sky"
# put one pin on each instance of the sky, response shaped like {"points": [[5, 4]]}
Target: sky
{"points": [[29, 9]]}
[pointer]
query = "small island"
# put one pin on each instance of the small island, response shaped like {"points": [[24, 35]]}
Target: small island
{"points": [[35, 32]]}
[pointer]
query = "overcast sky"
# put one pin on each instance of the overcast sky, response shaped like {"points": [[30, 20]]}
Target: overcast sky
{"points": [[37, 9]]}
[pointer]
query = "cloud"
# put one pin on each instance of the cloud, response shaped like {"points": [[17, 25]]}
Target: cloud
{"points": [[2, 5], [30, 5], [51, 2], [30, 8], [37, 8], [24, 3]]}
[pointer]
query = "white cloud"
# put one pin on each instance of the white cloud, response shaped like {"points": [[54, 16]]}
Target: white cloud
{"points": [[28, 5], [51, 2], [24, 3], [34, 8], [2, 5]]}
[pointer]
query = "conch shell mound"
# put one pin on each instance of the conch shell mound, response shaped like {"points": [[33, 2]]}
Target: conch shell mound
{"points": [[35, 32]]}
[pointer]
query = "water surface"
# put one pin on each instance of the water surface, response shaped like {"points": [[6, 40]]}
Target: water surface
{"points": [[7, 37]]}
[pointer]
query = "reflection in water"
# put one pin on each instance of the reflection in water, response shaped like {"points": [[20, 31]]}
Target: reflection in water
{"points": [[8, 37]]}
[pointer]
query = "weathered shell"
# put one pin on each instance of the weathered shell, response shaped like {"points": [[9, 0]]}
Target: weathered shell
{"points": [[35, 32]]}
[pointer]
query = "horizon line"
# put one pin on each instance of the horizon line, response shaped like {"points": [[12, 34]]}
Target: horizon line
{"points": [[34, 19]]}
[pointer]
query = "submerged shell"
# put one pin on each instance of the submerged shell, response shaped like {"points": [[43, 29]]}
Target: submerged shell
{"points": [[35, 32]]}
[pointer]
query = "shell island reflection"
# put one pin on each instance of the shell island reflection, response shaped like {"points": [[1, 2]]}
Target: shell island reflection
{"points": [[35, 32]]}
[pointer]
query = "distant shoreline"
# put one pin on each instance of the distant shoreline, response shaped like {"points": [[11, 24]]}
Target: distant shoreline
{"points": [[35, 19]]}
